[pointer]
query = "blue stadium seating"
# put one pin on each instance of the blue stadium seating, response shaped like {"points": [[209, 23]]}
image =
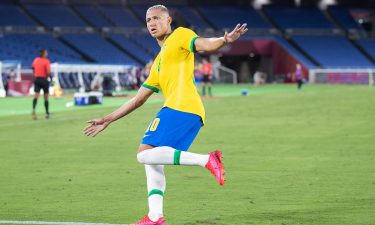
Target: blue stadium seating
{"points": [[11, 15], [294, 52], [288, 47], [136, 48], [148, 42], [98, 49], [332, 51], [25, 47], [131, 47], [120, 16], [192, 17], [368, 45], [91, 14], [53, 15], [343, 17], [301, 17], [186, 12], [229, 16], [140, 10]]}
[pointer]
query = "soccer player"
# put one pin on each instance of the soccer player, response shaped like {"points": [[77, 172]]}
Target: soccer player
{"points": [[207, 77], [299, 76], [41, 68], [174, 128]]}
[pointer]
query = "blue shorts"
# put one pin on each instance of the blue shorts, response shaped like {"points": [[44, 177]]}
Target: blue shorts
{"points": [[173, 128]]}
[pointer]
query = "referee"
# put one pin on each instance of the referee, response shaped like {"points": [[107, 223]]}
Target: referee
{"points": [[41, 69], [207, 77]]}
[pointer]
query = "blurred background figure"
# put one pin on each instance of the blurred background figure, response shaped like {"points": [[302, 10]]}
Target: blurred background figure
{"points": [[148, 67], [299, 76], [139, 76], [207, 77], [6, 78], [198, 75], [41, 70], [259, 78]]}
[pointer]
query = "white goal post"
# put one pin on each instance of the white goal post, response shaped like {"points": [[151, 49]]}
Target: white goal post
{"points": [[224, 74], [342, 76]]}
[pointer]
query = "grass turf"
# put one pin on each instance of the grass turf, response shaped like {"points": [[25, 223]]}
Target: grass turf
{"points": [[291, 158]]}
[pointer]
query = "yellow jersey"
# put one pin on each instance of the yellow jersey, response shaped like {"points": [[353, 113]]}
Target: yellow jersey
{"points": [[173, 73]]}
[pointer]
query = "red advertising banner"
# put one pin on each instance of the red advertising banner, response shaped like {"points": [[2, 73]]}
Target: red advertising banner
{"points": [[20, 88]]}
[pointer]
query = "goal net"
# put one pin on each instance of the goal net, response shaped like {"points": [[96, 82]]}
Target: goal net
{"points": [[9, 71], [92, 77]]}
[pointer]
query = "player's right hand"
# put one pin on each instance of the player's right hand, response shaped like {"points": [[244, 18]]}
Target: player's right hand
{"points": [[95, 127], [96, 121], [236, 33]]}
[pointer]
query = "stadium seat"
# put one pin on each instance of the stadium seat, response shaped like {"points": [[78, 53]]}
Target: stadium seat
{"points": [[192, 17], [98, 48], [92, 15], [11, 15], [343, 17], [147, 42], [287, 46], [188, 14], [332, 51], [368, 45], [230, 16], [55, 15], [120, 16], [25, 47], [131, 47], [302, 17], [134, 47]]}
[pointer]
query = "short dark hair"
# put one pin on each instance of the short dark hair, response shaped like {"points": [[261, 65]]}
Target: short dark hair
{"points": [[42, 51], [160, 7]]}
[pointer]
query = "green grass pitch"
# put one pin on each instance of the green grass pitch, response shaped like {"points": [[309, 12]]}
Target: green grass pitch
{"points": [[292, 157]]}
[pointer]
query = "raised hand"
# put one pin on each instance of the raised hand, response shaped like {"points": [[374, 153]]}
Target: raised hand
{"points": [[236, 33], [95, 127]]}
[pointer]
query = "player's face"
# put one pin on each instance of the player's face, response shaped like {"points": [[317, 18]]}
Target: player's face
{"points": [[158, 23]]}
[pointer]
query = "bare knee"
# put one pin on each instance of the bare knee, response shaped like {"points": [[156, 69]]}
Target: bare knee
{"points": [[143, 147], [141, 151]]}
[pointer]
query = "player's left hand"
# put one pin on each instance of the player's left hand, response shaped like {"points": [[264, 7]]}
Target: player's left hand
{"points": [[236, 33], [96, 126]]}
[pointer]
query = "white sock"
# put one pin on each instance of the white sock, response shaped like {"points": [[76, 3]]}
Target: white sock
{"points": [[169, 156], [156, 188]]}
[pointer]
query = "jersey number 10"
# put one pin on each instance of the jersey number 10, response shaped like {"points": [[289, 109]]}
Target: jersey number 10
{"points": [[154, 124]]}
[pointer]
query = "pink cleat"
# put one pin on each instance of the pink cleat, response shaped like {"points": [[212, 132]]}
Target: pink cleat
{"points": [[146, 221], [215, 166]]}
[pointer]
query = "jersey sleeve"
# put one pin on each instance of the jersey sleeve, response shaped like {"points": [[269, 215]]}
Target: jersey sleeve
{"points": [[188, 36], [152, 82], [33, 64]]}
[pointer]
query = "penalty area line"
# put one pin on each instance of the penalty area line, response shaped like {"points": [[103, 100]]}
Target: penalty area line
{"points": [[53, 223]]}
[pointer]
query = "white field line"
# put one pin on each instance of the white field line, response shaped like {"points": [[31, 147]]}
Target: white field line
{"points": [[52, 223]]}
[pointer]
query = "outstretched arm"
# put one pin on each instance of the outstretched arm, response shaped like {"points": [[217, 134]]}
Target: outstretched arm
{"points": [[97, 125], [212, 44]]}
